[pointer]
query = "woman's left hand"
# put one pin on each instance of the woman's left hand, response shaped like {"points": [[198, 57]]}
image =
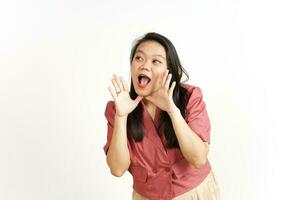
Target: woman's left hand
{"points": [[163, 97]]}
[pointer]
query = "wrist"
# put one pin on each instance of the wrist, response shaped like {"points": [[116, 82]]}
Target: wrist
{"points": [[174, 111], [117, 116]]}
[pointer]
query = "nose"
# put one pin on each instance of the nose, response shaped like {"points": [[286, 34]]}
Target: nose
{"points": [[145, 66]]}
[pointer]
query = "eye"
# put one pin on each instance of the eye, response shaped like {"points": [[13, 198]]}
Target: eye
{"points": [[138, 58], [156, 61]]}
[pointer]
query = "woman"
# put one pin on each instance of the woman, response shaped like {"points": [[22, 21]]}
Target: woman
{"points": [[159, 129]]}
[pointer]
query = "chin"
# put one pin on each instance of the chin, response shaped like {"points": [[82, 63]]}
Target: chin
{"points": [[142, 92]]}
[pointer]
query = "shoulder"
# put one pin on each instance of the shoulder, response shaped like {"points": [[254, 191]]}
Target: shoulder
{"points": [[193, 91], [194, 98], [110, 104], [110, 109]]}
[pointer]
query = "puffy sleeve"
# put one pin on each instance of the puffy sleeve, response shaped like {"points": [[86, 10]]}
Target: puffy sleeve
{"points": [[197, 116], [110, 112]]}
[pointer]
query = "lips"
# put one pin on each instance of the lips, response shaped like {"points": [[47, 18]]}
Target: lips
{"points": [[143, 80]]}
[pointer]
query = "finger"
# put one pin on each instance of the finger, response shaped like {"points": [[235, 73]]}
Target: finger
{"points": [[118, 82], [172, 88], [115, 84], [124, 84], [112, 92], [167, 84]]}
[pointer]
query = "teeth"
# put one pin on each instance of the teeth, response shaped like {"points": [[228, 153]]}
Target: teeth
{"points": [[143, 79], [141, 76]]}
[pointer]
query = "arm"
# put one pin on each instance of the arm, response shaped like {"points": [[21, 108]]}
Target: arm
{"points": [[118, 156], [118, 152], [192, 147]]}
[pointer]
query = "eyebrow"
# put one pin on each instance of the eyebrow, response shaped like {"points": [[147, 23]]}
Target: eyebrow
{"points": [[152, 55]]}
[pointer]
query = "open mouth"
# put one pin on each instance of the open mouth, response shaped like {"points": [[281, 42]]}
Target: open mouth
{"points": [[144, 80]]}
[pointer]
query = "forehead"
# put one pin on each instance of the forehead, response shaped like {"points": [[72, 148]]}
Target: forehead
{"points": [[151, 48]]}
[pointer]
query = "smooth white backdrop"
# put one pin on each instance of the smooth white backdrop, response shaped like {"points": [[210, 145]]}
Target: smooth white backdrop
{"points": [[56, 61]]}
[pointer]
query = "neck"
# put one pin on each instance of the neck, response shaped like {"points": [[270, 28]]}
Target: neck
{"points": [[148, 104]]}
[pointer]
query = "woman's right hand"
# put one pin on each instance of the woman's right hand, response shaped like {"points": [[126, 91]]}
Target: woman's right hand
{"points": [[120, 93]]}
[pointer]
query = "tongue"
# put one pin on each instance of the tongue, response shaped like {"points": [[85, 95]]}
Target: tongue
{"points": [[144, 81]]}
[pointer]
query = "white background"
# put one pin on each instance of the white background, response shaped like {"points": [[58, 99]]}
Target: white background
{"points": [[56, 61]]}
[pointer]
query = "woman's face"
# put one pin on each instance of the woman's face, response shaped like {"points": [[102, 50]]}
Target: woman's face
{"points": [[147, 66]]}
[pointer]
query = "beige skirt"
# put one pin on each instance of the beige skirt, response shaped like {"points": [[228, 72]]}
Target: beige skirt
{"points": [[208, 189]]}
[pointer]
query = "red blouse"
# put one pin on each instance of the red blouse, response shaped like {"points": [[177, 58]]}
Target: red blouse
{"points": [[160, 173]]}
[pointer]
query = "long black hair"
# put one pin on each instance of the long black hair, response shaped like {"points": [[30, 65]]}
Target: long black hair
{"points": [[180, 94]]}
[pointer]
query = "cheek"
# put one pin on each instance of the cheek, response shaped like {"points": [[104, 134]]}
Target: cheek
{"points": [[132, 67], [157, 79], [133, 70], [159, 73]]}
